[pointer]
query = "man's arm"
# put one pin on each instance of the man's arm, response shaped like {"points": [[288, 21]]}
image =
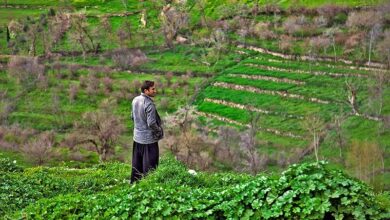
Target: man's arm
{"points": [[151, 118]]}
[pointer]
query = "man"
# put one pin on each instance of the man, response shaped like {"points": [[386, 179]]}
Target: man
{"points": [[147, 132]]}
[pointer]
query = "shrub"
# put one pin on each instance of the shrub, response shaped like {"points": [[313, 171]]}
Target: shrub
{"points": [[261, 30], [93, 84], [73, 91], [126, 58], [7, 165], [286, 43], [363, 19], [40, 149], [108, 84], [164, 104], [26, 70], [304, 191]]}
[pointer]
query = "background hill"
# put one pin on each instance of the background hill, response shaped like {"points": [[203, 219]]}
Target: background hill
{"points": [[244, 86]]}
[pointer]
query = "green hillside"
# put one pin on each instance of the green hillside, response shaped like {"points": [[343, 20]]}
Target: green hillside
{"points": [[250, 88]]}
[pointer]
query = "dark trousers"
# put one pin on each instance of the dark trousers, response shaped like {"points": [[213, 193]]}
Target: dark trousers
{"points": [[145, 158]]}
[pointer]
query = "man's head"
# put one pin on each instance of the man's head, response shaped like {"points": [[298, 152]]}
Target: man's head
{"points": [[148, 88]]}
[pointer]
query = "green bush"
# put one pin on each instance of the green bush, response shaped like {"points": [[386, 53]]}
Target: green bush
{"points": [[304, 191], [7, 165], [17, 190]]}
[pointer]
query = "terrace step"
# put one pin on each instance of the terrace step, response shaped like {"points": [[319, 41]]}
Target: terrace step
{"points": [[274, 131], [248, 107], [270, 92], [287, 62], [316, 73], [268, 78], [297, 57]]}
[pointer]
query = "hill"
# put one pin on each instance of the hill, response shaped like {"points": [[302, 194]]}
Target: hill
{"points": [[269, 84]]}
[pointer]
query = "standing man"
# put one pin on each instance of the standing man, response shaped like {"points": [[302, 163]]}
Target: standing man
{"points": [[147, 132]]}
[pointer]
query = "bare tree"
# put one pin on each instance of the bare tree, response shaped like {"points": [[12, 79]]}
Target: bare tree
{"points": [[40, 149], [315, 126], [108, 84], [376, 92], [371, 21], [330, 11], [124, 89], [249, 146], [383, 48], [318, 43], [124, 34], [25, 34], [354, 86], [338, 121], [127, 58], [363, 19], [106, 28], [26, 70], [227, 150], [56, 109], [101, 128], [262, 31], [320, 21], [365, 160], [294, 24], [173, 20], [57, 27], [352, 89], [81, 35], [6, 108], [331, 33], [373, 35], [182, 138], [93, 84], [73, 91], [285, 43], [35, 28]]}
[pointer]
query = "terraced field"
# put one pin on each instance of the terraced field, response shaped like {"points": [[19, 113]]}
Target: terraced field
{"points": [[284, 92]]}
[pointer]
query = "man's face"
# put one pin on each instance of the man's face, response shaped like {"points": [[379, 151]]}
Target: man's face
{"points": [[151, 91]]}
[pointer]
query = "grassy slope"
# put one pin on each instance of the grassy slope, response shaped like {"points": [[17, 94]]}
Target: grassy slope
{"points": [[41, 118]]}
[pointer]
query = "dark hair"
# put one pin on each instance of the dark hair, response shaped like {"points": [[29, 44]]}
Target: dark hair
{"points": [[146, 85]]}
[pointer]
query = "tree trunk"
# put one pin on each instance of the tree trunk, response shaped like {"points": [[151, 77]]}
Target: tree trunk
{"points": [[370, 46], [334, 50], [8, 34], [103, 156], [315, 145]]}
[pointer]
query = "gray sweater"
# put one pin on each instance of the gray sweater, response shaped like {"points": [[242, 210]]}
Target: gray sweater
{"points": [[147, 122]]}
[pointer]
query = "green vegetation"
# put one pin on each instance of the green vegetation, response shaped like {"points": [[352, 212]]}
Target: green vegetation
{"points": [[61, 61], [266, 121], [271, 103], [306, 190]]}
